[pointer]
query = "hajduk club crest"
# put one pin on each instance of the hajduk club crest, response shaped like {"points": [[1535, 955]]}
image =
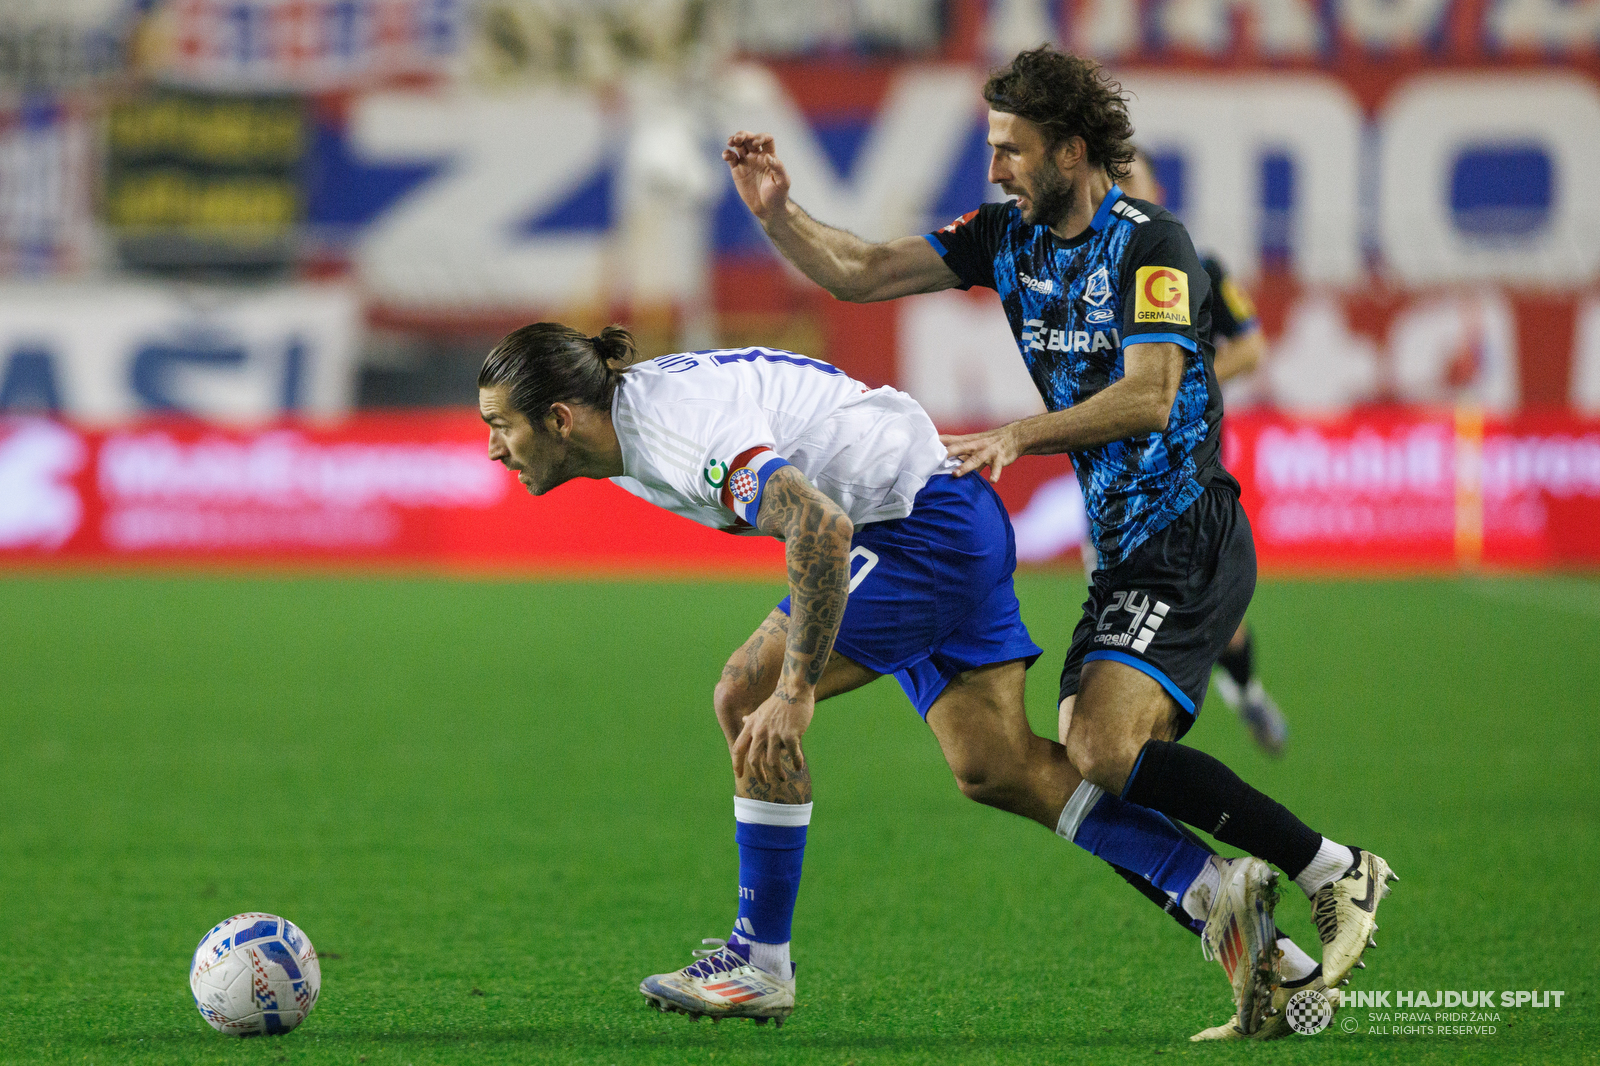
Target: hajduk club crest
{"points": [[744, 484]]}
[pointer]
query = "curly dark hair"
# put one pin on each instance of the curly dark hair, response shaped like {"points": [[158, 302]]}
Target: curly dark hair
{"points": [[1067, 96]]}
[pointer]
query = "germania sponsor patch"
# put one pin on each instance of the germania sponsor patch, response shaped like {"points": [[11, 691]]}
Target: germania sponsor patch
{"points": [[1161, 294]]}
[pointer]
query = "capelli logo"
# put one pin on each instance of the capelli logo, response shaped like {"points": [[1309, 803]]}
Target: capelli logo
{"points": [[1046, 287]]}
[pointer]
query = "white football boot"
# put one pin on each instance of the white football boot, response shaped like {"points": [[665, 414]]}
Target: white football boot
{"points": [[1346, 913], [1275, 1026], [1240, 935], [720, 984]]}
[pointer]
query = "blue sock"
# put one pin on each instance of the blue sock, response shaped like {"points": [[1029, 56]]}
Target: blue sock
{"points": [[1132, 837], [772, 842]]}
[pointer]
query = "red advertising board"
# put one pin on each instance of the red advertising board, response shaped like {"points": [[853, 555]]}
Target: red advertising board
{"points": [[397, 490], [1376, 491], [1406, 488]]}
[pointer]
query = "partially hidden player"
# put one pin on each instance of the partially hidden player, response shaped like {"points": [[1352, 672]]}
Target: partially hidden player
{"points": [[1110, 309], [1240, 345], [895, 567]]}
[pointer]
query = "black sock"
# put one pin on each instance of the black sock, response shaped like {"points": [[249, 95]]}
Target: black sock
{"points": [[1191, 786], [1241, 663]]}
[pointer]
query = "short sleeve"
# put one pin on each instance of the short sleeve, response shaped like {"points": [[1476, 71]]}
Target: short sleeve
{"points": [[969, 245], [1164, 288], [1232, 312], [713, 452]]}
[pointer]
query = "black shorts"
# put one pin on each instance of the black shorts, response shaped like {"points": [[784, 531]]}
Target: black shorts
{"points": [[1170, 608]]}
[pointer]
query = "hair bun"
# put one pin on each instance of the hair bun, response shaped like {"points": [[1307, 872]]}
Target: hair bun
{"points": [[615, 347]]}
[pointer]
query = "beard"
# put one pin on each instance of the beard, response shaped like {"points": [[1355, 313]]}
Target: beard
{"points": [[550, 470], [1052, 197]]}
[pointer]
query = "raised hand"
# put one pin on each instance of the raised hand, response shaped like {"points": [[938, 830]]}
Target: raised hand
{"points": [[758, 174]]}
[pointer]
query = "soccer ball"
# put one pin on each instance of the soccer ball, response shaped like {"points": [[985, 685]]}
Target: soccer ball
{"points": [[255, 975]]}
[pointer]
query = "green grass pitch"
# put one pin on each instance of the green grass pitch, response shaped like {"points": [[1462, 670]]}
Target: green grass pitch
{"points": [[495, 806]]}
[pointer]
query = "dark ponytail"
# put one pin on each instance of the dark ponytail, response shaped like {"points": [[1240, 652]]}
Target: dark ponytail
{"points": [[615, 347], [548, 363]]}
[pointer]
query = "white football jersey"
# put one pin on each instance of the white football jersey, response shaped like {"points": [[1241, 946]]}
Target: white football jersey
{"points": [[702, 431]]}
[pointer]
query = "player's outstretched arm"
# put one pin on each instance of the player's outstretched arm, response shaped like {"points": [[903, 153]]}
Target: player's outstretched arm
{"points": [[848, 267], [1139, 402], [816, 536]]}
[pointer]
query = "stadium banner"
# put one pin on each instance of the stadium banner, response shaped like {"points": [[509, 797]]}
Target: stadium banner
{"points": [[108, 352], [1402, 488], [297, 45], [397, 490], [1379, 491], [204, 180], [47, 184], [1468, 274], [1411, 192]]}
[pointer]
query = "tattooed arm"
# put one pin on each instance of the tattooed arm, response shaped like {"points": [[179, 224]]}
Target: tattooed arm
{"points": [[816, 534]]}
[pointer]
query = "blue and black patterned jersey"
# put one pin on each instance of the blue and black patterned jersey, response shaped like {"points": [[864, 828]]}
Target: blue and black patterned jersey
{"points": [[1132, 277]]}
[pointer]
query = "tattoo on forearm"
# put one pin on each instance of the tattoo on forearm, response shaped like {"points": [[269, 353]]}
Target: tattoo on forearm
{"points": [[817, 534]]}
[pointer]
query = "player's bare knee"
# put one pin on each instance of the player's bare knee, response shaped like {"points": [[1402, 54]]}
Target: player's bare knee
{"points": [[981, 788], [1102, 757], [1079, 747], [733, 701], [986, 778]]}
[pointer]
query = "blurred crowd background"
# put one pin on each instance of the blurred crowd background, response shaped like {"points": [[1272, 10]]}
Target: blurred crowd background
{"points": [[237, 212]]}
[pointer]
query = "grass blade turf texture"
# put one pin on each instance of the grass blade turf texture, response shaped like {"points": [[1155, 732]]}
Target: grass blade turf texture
{"points": [[496, 806]]}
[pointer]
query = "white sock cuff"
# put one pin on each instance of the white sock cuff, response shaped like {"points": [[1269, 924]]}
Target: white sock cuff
{"points": [[1327, 866], [760, 812], [1084, 797]]}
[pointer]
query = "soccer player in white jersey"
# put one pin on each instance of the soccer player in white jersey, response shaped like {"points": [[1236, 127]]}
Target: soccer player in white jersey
{"points": [[894, 567]]}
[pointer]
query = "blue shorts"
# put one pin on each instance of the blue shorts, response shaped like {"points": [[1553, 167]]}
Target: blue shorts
{"points": [[931, 594]]}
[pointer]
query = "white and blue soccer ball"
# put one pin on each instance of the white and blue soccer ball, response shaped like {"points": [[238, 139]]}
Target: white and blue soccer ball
{"points": [[255, 975]]}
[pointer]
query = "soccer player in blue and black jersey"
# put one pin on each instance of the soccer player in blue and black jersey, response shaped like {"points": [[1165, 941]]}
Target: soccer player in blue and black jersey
{"points": [[1236, 336], [1111, 312]]}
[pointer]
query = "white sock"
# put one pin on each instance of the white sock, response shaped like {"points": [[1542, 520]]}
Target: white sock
{"points": [[1196, 902], [773, 958], [1330, 864], [1297, 965]]}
